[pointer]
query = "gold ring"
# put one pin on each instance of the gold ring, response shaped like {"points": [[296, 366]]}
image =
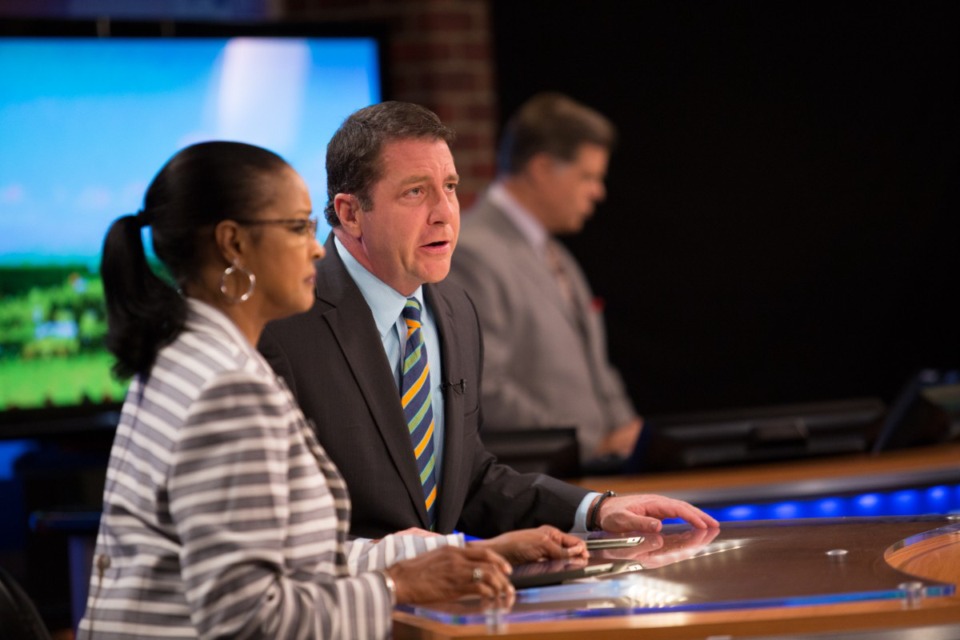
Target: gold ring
{"points": [[477, 574]]}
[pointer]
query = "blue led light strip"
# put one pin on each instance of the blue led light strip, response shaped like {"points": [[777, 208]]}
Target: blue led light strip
{"points": [[938, 499]]}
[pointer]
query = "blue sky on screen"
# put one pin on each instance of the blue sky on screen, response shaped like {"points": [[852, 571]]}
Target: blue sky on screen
{"points": [[87, 123]]}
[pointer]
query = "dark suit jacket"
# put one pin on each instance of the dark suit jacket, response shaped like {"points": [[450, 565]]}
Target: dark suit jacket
{"points": [[333, 360]]}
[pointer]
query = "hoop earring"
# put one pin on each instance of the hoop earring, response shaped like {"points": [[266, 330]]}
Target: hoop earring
{"points": [[251, 284]]}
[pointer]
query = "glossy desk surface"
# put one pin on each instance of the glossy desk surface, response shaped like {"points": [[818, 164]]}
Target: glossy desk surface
{"points": [[746, 578]]}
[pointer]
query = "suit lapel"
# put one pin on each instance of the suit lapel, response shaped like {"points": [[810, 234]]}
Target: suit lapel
{"points": [[535, 267], [351, 322], [448, 511]]}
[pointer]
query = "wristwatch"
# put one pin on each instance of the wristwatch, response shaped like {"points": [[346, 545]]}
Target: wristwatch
{"points": [[593, 523]]}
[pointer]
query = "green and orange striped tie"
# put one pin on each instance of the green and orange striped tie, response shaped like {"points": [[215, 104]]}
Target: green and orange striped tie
{"points": [[415, 396]]}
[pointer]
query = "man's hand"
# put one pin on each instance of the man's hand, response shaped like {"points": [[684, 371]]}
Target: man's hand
{"points": [[658, 550], [643, 512], [621, 441]]}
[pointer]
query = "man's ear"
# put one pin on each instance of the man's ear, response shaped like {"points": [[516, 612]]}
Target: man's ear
{"points": [[347, 207], [540, 167]]}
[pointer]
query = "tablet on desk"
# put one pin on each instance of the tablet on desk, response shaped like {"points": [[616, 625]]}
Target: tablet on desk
{"points": [[604, 540], [541, 574]]}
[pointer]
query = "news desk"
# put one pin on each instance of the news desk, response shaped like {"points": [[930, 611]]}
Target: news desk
{"points": [[881, 577]]}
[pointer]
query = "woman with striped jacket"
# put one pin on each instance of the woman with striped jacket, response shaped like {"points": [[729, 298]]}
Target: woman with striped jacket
{"points": [[222, 514]]}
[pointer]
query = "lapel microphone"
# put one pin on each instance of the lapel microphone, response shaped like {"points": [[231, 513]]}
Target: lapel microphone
{"points": [[456, 386]]}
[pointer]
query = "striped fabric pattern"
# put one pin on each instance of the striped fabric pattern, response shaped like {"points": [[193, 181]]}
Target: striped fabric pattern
{"points": [[415, 393], [223, 516]]}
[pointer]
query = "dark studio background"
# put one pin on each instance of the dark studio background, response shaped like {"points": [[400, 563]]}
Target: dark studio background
{"points": [[780, 223]]}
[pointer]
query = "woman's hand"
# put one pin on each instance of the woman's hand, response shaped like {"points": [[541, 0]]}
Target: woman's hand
{"points": [[532, 545], [449, 573]]}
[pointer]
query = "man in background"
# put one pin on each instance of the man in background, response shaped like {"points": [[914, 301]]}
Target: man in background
{"points": [[545, 353]]}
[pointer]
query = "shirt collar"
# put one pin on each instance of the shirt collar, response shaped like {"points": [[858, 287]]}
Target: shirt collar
{"points": [[385, 302], [531, 228], [202, 316]]}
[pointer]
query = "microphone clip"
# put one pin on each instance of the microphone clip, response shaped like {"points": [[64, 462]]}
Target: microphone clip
{"points": [[460, 386]]}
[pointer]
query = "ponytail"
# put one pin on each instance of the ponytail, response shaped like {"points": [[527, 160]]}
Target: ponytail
{"points": [[144, 313]]}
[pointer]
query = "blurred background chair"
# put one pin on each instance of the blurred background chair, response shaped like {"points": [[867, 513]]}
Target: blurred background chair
{"points": [[553, 451]]}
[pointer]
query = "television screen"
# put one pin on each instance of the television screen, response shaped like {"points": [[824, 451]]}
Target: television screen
{"points": [[86, 122]]}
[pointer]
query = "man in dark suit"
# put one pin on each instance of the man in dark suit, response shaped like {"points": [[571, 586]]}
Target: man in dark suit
{"points": [[391, 184]]}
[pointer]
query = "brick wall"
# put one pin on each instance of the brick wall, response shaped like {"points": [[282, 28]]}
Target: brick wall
{"points": [[440, 56]]}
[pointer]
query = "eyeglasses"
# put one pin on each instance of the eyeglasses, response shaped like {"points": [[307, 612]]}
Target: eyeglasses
{"points": [[299, 226]]}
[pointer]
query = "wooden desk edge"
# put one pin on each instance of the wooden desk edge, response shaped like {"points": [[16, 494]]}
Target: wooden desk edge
{"points": [[941, 457], [861, 616]]}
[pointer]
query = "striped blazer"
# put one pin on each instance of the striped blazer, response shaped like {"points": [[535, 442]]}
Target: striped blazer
{"points": [[222, 514]]}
